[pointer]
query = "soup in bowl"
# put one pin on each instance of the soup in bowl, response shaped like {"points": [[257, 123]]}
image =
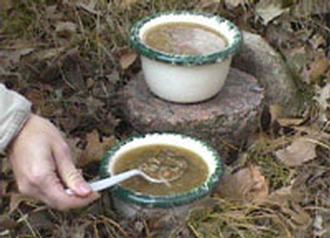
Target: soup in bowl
{"points": [[185, 56], [190, 169]]}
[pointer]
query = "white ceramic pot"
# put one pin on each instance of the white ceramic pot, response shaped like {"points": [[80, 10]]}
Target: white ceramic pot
{"points": [[130, 203], [184, 78]]}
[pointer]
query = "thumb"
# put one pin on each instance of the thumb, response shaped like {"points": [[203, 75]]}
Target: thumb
{"points": [[68, 172]]}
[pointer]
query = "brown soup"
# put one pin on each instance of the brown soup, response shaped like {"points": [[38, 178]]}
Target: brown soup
{"points": [[183, 169], [185, 39]]}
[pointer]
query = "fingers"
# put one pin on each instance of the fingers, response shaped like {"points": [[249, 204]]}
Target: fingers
{"points": [[49, 189], [42, 165], [67, 170], [56, 197]]}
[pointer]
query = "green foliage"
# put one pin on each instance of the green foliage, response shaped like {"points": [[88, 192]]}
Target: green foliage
{"points": [[277, 174], [22, 17]]}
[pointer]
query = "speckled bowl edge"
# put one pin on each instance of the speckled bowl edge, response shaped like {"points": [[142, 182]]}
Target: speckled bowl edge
{"points": [[164, 201], [150, 53]]}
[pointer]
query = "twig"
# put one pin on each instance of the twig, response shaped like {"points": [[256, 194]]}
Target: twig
{"points": [[81, 25], [6, 73], [317, 143], [25, 220], [194, 231], [66, 81], [88, 9], [115, 224]]}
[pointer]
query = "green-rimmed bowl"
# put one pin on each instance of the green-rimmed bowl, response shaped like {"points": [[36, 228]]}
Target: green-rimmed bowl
{"points": [[129, 202], [185, 78]]}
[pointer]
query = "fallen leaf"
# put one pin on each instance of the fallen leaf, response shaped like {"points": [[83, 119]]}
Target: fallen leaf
{"points": [[318, 225], [312, 132], [126, 60], [46, 54], [323, 99], [7, 223], [287, 122], [234, 3], [75, 150], [51, 10], [208, 4], [318, 68], [88, 6], [318, 41], [300, 151], [281, 195], [246, 185], [65, 29], [54, 13], [109, 125], [6, 5], [288, 203], [297, 59], [96, 148], [36, 96], [127, 3], [305, 8], [114, 77], [13, 57], [90, 82], [276, 111], [93, 104], [268, 10]]}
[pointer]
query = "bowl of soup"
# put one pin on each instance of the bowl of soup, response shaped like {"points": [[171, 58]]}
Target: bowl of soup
{"points": [[191, 170], [185, 56]]}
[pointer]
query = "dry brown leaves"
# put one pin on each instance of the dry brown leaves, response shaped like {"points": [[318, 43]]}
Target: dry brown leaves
{"points": [[287, 202], [6, 224], [6, 5], [277, 115], [127, 59], [96, 148], [246, 185], [127, 3], [319, 68], [234, 3], [65, 29], [268, 10], [302, 148], [300, 151]]}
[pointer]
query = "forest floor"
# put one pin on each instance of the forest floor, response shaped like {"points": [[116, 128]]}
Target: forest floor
{"points": [[71, 57]]}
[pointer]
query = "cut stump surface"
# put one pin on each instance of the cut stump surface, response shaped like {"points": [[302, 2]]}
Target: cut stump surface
{"points": [[225, 121]]}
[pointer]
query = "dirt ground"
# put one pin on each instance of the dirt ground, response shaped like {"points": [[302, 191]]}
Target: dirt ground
{"points": [[70, 58]]}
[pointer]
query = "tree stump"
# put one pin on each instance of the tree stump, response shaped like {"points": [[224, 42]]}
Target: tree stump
{"points": [[225, 121], [259, 59]]}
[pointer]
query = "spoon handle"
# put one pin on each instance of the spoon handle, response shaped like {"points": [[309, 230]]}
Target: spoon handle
{"points": [[109, 182], [113, 180]]}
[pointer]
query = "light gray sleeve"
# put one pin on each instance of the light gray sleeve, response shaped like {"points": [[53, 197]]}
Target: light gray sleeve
{"points": [[14, 111]]}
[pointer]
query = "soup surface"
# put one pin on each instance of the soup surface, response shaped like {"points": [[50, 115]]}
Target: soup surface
{"points": [[183, 169], [185, 39]]}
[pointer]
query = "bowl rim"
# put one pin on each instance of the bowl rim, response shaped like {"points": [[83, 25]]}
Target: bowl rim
{"points": [[186, 60], [164, 201]]}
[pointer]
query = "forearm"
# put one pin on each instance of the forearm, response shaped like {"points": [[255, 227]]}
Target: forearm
{"points": [[14, 111]]}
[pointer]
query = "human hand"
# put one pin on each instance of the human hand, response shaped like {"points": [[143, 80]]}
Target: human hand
{"points": [[43, 166]]}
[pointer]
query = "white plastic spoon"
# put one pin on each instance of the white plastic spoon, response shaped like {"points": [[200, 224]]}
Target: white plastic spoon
{"points": [[118, 178]]}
